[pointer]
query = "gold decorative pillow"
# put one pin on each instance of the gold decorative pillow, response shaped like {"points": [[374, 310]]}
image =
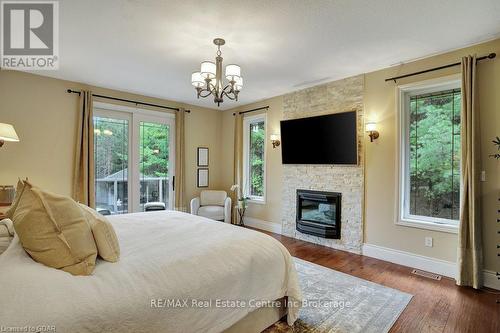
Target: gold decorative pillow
{"points": [[54, 231], [105, 238]]}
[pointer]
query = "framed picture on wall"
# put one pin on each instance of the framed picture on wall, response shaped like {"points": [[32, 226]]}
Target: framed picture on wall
{"points": [[202, 178], [202, 157]]}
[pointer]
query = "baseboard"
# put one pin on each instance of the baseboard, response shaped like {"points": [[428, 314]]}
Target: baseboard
{"points": [[438, 266], [263, 225], [491, 280], [443, 267]]}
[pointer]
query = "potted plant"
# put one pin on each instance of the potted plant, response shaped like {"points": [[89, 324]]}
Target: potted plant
{"points": [[242, 201]]}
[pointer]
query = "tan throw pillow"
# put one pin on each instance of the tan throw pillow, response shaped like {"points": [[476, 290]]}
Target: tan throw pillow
{"points": [[54, 231], [104, 235], [19, 192]]}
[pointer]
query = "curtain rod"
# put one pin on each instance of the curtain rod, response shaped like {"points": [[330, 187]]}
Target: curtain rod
{"points": [[128, 101], [489, 56], [257, 109]]}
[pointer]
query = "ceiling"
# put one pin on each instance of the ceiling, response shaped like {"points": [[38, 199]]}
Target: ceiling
{"points": [[151, 47]]}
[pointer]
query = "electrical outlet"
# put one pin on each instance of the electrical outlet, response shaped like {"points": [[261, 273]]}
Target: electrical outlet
{"points": [[483, 176], [428, 241]]}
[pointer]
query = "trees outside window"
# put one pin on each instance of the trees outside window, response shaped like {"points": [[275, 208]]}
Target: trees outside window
{"points": [[254, 157], [430, 154], [435, 155]]}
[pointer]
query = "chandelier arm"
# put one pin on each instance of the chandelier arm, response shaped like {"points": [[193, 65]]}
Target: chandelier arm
{"points": [[230, 87], [208, 93], [227, 94]]}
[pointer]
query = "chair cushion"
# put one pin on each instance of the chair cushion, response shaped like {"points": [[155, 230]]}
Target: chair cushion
{"points": [[104, 234], [212, 212], [212, 198], [54, 231]]}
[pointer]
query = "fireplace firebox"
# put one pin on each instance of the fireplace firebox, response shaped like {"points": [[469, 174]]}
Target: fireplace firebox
{"points": [[318, 213]]}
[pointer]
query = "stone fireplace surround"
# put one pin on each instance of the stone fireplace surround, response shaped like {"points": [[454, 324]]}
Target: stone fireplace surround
{"points": [[333, 97]]}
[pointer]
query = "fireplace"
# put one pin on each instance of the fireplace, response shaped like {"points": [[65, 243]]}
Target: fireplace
{"points": [[318, 213]]}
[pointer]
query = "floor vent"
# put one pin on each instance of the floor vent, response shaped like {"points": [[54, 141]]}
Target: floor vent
{"points": [[426, 274]]}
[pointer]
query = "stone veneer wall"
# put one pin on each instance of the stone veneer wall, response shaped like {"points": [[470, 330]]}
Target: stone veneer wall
{"points": [[334, 97]]}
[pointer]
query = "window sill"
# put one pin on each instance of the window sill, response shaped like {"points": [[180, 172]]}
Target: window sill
{"points": [[428, 225], [257, 201]]}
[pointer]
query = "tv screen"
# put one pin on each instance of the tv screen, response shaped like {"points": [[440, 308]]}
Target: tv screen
{"points": [[329, 139]]}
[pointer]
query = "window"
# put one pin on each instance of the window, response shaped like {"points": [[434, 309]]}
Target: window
{"points": [[254, 155], [133, 159], [430, 151], [111, 157]]}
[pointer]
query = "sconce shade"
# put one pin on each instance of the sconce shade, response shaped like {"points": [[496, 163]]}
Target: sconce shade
{"points": [[8, 133], [371, 126], [275, 140]]}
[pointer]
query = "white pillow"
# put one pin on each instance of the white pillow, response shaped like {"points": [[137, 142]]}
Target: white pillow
{"points": [[6, 228], [6, 234]]}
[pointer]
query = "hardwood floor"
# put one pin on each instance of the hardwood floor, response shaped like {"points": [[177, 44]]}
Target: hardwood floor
{"points": [[437, 306]]}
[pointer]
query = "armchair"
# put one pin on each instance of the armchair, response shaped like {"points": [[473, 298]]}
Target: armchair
{"points": [[215, 205]]}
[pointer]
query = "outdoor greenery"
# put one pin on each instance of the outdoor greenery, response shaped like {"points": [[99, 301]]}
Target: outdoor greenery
{"points": [[110, 146], [257, 140], [435, 155], [154, 149]]}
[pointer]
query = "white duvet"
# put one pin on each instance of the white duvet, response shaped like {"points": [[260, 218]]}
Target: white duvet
{"points": [[167, 259]]}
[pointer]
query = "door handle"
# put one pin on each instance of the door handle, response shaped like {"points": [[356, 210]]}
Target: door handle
{"points": [[173, 183]]}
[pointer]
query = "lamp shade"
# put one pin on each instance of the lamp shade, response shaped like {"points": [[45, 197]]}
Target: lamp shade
{"points": [[371, 126], [208, 70], [232, 71], [238, 83], [197, 80], [274, 137], [8, 133]]}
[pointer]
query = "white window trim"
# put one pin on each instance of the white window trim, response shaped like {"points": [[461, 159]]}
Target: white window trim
{"points": [[246, 147], [134, 115], [403, 93]]}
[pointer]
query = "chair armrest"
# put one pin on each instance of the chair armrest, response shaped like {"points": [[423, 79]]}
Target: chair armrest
{"points": [[195, 205], [227, 210]]}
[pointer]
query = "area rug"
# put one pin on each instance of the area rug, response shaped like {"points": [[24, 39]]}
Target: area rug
{"points": [[335, 302]]}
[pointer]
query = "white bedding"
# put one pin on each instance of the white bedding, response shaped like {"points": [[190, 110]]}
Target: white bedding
{"points": [[164, 255]]}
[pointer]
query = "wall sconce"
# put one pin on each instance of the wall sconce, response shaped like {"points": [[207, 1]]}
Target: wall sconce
{"points": [[7, 133], [275, 139], [371, 129]]}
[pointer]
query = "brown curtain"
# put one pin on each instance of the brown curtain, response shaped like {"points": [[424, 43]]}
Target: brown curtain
{"points": [[470, 256], [180, 177], [238, 159], [83, 176]]}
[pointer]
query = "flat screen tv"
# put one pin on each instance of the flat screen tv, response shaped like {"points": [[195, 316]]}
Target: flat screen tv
{"points": [[329, 139]]}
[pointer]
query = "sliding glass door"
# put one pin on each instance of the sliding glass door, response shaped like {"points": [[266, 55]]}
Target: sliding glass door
{"points": [[155, 172], [133, 159]]}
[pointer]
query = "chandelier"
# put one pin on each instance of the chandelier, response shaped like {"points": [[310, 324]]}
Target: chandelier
{"points": [[208, 81]]}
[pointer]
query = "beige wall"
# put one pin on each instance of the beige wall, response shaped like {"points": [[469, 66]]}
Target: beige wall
{"points": [[380, 163], [44, 116]]}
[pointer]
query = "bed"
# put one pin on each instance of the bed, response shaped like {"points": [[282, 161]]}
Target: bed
{"points": [[177, 273]]}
